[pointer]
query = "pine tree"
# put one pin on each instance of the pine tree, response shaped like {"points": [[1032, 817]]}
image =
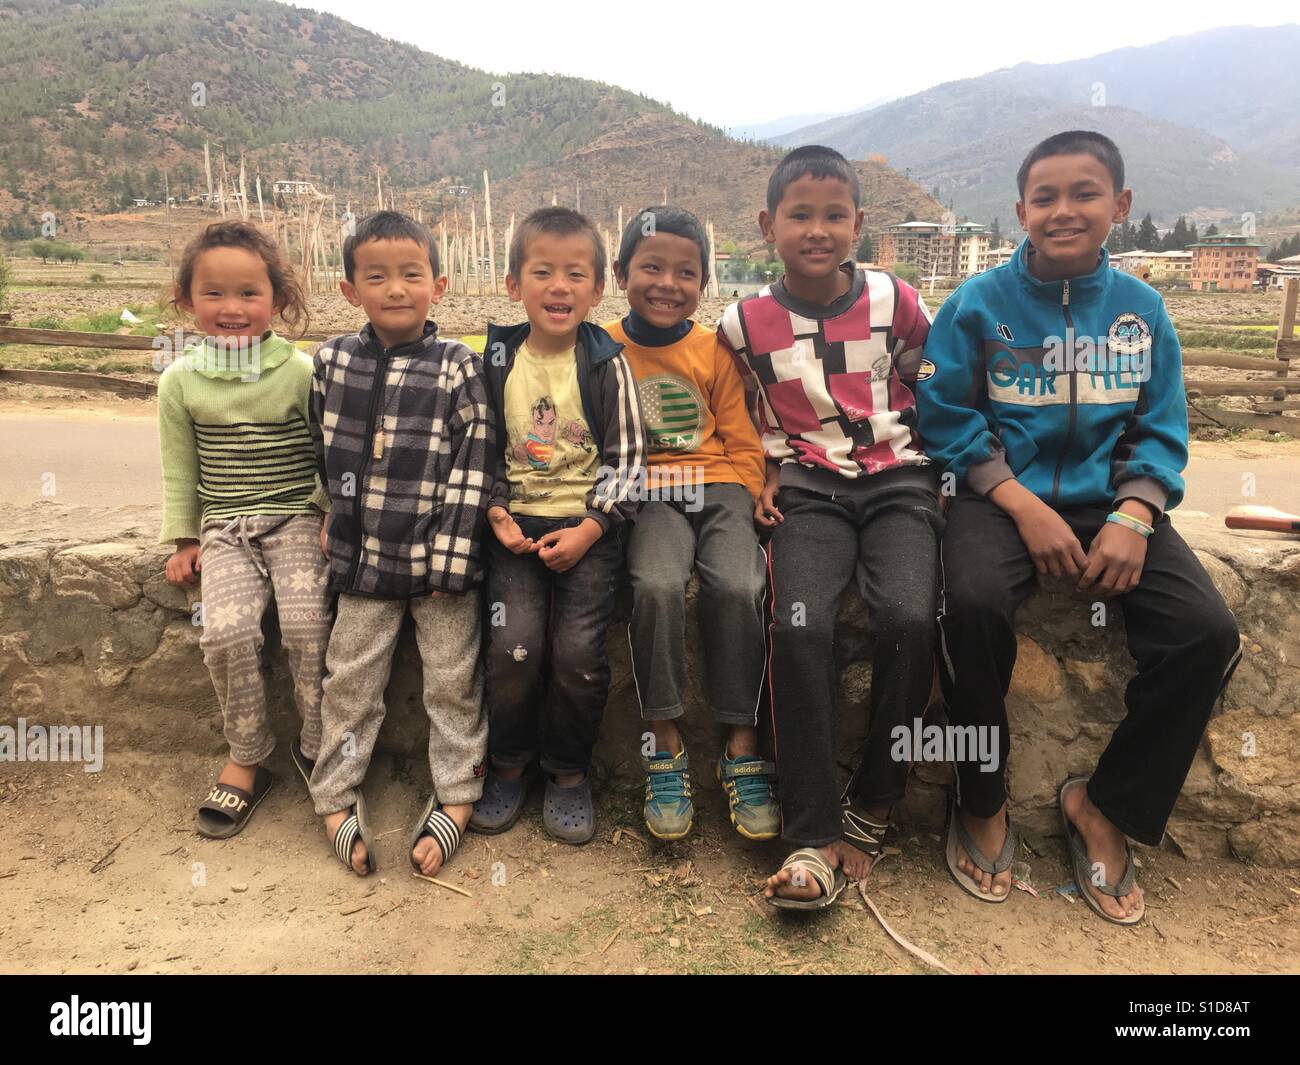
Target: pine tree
{"points": [[1213, 231], [866, 253], [1148, 237], [995, 234]]}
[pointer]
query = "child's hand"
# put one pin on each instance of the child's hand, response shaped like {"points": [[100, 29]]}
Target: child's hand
{"points": [[1051, 544], [563, 549], [765, 513], [325, 535], [507, 531], [1115, 561], [183, 567]]}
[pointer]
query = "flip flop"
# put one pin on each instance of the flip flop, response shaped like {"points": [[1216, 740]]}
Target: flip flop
{"points": [[831, 881], [444, 830], [957, 834], [1082, 867], [301, 762], [226, 810], [355, 825]]}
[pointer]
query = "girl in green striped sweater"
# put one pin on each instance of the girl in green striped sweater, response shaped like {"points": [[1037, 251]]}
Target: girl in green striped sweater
{"points": [[242, 501]]}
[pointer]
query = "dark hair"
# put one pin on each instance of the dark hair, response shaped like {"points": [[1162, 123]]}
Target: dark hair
{"points": [[663, 219], [1076, 142], [811, 160], [388, 225], [290, 303], [558, 222]]}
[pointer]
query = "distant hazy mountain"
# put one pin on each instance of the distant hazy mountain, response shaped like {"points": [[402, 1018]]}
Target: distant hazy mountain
{"points": [[1241, 83], [770, 131], [968, 137]]}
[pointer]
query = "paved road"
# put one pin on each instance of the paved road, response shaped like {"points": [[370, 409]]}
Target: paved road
{"points": [[91, 462], [107, 462]]}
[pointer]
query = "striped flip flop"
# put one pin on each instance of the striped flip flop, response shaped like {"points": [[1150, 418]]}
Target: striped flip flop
{"points": [[356, 826], [445, 832]]}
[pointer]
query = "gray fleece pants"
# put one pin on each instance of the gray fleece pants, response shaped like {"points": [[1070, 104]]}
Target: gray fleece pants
{"points": [[246, 562], [358, 663]]}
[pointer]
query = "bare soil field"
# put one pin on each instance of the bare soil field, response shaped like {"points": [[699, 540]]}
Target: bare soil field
{"points": [[102, 872]]}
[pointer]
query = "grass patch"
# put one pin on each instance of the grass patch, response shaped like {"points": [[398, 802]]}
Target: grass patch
{"points": [[1227, 340]]}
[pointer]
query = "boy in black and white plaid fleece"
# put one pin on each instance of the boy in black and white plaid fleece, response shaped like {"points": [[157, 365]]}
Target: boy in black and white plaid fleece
{"points": [[404, 440]]}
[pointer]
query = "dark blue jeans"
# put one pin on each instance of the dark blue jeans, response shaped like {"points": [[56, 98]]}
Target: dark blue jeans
{"points": [[547, 671]]}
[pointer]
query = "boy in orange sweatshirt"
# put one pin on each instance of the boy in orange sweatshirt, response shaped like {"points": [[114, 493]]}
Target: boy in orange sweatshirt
{"points": [[704, 473]]}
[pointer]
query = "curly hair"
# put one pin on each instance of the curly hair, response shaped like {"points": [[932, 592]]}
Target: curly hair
{"points": [[290, 303]]}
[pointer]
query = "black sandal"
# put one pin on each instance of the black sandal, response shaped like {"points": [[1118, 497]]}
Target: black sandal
{"points": [[859, 829], [226, 810]]}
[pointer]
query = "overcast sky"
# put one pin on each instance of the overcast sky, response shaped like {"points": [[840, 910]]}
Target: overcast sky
{"points": [[751, 61]]}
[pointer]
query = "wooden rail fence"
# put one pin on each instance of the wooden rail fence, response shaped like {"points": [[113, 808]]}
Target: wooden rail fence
{"points": [[1271, 395]]}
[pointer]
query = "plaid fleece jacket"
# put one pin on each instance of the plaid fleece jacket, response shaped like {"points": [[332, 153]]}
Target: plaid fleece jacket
{"points": [[833, 384], [404, 443]]}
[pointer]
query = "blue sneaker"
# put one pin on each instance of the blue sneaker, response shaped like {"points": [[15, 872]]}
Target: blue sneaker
{"points": [[669, 812], [748, 779]]}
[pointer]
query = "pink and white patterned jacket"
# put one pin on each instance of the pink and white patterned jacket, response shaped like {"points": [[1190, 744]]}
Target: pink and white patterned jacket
{"points": [[831, 385]]}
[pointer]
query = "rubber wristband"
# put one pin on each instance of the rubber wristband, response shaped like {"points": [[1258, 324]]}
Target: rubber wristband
{"points": [[1129, 522]]}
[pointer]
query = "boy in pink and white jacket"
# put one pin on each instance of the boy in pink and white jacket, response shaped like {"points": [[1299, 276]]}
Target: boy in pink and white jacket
{"points": [[829, 354]]}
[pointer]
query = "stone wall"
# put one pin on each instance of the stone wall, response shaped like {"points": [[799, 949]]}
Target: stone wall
{"points": [[91, 633]]}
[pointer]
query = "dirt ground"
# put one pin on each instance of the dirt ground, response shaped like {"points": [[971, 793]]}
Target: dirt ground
{"points": [[103, 873]]}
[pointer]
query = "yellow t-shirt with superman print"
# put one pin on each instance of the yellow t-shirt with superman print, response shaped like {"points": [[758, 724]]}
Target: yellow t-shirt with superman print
{"points": [[551, 458]]}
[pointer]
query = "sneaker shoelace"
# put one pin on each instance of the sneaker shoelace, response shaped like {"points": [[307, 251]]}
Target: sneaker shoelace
{"points": [[667, 785], [751, 789]]}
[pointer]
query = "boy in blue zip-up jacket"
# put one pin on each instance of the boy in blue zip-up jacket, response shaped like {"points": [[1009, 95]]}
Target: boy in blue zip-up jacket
{"points": [[1057, 405]]}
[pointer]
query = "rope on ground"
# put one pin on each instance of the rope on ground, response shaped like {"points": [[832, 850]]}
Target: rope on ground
{"points": [[916, 952]]}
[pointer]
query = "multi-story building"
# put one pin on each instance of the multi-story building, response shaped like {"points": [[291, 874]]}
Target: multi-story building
{"points": [[998, 256], [934, 248], [1224, 263], [1154, 266]]}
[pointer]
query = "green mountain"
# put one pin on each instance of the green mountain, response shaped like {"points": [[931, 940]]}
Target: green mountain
{"points": [[102, 98]]}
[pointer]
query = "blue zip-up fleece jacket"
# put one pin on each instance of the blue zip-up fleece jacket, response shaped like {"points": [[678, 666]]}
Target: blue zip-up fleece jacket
{"points": [[1073, 387]]}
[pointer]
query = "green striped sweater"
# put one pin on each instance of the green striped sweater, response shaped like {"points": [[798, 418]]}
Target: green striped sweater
{"points": [[234, 436]]}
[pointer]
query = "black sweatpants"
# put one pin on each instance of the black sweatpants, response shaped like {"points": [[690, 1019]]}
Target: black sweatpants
{"points": [[889, 536], [1180, 633]]}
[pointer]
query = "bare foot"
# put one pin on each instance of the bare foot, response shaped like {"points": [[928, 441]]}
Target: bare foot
{"points": [[796, 882], [989, 834], [359, 854], [239, 776], [427, 854], [1106, 852]]}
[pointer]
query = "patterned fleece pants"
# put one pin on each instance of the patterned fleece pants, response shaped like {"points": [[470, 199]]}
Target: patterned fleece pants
{"points": [[246, 561]]}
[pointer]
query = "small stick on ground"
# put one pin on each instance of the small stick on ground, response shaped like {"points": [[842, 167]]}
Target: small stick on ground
{"points": [[610, 941], [444, 884], [104, 861]]}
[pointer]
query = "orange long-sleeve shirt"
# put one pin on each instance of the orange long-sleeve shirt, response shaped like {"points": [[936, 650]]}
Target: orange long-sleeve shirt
{"points": [[695, 413]]}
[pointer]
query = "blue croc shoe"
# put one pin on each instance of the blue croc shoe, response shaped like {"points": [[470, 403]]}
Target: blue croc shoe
{"points": [[501, 804], [568, 814], [748, 780], [669, 811]]}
